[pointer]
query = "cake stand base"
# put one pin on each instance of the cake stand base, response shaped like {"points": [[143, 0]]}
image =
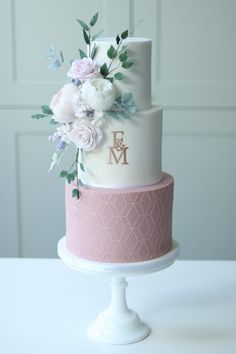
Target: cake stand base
{"points": [[118, 324]]}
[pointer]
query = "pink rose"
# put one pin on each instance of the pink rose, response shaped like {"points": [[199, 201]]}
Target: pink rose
{"points": [[62, 105], [83, 69], [85, 135]]}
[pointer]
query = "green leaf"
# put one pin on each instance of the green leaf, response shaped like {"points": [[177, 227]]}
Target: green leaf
{"points": [[82, 167], [83, 25], [63, 173], [94, 51], [80, 183], [119, 76], [124, 34], [111, 52], [111, 79], [53, 122], [95, 36], [94, 19], [74, 173], [104, 69], [123, 56], [86, 37], [38, 116], [127, 64], [70, 177], [117, 39], [46, 109], [75, 193], [82, 54]]}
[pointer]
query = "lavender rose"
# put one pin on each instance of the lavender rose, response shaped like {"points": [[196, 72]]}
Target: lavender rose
{"points": [[61, 104], [98, 93], [83, 69], [85, 135]]}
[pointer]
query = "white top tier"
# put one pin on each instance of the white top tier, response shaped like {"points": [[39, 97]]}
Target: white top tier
{"points": [[138, 77]]}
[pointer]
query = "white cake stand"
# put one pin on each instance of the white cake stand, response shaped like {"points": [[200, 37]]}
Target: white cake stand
{"points": [[118, 324]]}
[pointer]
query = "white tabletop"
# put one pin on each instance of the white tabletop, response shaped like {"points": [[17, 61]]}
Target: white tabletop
{"points": [[46, 307]]}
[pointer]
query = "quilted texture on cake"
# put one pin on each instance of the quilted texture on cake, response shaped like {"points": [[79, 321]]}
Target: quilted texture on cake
{"points": [[120, 225]]}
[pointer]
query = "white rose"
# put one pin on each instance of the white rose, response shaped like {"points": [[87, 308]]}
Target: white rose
{"points": [[61, 104], [85, 135], [99, 94]]}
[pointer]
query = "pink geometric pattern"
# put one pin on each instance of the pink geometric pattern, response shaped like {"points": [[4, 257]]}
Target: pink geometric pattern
{"points": [[120, 225]]}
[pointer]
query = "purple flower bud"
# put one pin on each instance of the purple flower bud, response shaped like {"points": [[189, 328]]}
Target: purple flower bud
{"points": [[76, 82], [61, 146]]}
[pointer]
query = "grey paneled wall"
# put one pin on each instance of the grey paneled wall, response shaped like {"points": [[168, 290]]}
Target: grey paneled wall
{"points": [[194, 79]]}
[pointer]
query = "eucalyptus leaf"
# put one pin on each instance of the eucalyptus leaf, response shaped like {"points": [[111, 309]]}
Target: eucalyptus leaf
{"points": [[38, 116], [55, 64], [75, 193], [119, 76], [86, 37], [94, 51], [80, 183], [83, 25], [63, 173], [82, 167], [53, 122], [127, 64], [46, 109], [123, 56], [117, 39], [82, 54], [111, 79], [95, 36], [94, 19], [111, 52], [124, 34], [104, 69]]}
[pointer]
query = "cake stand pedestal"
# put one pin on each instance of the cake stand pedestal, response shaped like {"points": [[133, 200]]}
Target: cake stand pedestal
{"points": [[118, 324]]}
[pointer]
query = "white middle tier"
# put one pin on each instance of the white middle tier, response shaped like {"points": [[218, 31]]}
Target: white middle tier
{"points": [[130, 153]]}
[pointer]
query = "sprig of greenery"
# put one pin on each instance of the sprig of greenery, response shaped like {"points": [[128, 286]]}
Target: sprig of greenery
{"points": [[88, 37], [122, 55], [45, 112], [71, 176]]}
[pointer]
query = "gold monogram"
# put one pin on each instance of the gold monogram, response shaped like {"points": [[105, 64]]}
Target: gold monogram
{"points": [[118, 152]]}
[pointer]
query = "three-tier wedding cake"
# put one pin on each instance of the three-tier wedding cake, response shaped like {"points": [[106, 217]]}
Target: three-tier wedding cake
{"points": [[118, 200]]}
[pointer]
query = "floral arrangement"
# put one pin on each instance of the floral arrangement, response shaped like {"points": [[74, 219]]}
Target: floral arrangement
{"points": [[81, 106]]}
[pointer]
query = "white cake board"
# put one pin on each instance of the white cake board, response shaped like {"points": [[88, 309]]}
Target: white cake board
{"points": [[118, 324]]}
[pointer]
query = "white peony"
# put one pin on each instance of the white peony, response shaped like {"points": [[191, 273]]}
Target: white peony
{"points": [[99, 94], [61, 104], [85, 135]]}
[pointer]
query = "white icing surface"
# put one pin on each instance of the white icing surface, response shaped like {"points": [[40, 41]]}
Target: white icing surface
{"points": [[142, 135], [138, 77]]}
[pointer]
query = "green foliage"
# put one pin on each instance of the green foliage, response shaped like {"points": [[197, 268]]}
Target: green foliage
{"points": [[82, 167], [63, 173], [104, 69], [94, 51], [75, 193], [39, 116], [86, 37], [95, 36], [82, 54], [123, 56], [46, 110], [94, 19], [127, 64], [117, 39], [111, 52], [124, 34], [53, 122], [83, 25], [111, 79], [119, 76]]}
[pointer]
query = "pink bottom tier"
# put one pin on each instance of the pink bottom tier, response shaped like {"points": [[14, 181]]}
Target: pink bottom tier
{"points": [[120, 225]]}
